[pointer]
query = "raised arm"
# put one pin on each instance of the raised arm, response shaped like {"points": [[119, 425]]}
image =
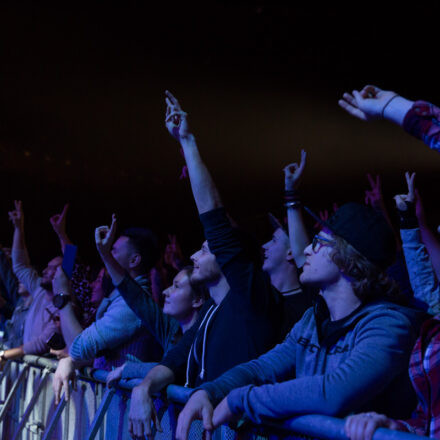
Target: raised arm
{"points": [[10, 282], [58, 222], [373, 103], [104, 238], [429, 237], [70, 326], [420, 119], [374, 198], [297, 231], [204, 190], [423, 281], [20, 258]]}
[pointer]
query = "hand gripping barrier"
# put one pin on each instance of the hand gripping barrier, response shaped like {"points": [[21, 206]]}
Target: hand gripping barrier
{"points": [[27, 410]]}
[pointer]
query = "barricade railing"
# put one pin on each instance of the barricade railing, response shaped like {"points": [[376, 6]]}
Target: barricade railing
{"points": [[27, 410]]}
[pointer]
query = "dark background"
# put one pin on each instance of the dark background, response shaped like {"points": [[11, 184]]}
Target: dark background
{"points": [[82, 109]]}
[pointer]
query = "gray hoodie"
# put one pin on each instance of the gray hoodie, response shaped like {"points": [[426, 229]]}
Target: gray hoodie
{"points": [[357, 363]]}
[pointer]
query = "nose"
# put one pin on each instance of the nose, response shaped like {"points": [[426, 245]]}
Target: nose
{"points": [[194, 256], [308, 250], [265, 245]]}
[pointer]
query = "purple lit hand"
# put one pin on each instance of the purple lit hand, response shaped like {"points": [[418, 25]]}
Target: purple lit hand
{"points": [[175, 118], [64, 373], [105, 236], [198, 407], [362, 426], [367, 104], [223, 414], [401, 199], [16, 216], [373, 197], [58, 221], [293, 173]]}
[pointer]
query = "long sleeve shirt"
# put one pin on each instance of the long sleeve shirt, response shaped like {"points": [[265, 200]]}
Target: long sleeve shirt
{"points": [[163, 327], [424, 374], [244, 325], [361, 365], [41, 313], [423, 122], [10, 286], [421, 274], [116, 325]]}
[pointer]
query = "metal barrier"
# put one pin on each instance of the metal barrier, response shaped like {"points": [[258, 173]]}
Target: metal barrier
{"points": [[28, 412]]}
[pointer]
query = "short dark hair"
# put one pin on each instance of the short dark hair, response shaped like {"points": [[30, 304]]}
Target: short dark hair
{"points": [[368, 280], [198, 290], [145, 242]]}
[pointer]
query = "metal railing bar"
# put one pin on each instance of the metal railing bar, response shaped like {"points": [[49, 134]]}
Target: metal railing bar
{"points": [[100, 414], [12, 392], [5, 370], [32, 403], [55, 418], [317, 426]]}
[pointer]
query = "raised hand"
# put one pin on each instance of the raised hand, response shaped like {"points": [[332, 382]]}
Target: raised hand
{"points": [[293, 173], [175, 118], [373, 196], [58, 221], [16, 216], [401, 199], [105, 236], [198, 407], [367, 104], [362, 426]]}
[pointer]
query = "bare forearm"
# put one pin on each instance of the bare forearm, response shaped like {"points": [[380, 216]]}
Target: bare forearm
{"points": [[70, 327], [64, 239], [298, 236], [14, 353], [114, 269], [18, 242], [203, 187], [157, 379], [396, 110]]}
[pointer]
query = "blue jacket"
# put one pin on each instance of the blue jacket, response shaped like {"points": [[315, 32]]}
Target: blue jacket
{"points": [[361, 365]]}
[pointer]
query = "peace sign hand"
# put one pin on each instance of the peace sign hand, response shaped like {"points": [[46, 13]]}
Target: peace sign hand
{"points": [[175, 118]]}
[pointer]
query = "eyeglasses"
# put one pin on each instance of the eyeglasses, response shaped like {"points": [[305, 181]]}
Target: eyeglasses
{"points": [[318, 240]]}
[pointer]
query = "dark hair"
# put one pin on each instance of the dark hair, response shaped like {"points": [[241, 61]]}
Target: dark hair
{"points": [[198, 290], [369, 281], [145, 242]]}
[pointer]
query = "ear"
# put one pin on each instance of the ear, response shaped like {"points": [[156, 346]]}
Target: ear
{"points": [[135, 261], [197, 303], [289, 256]]}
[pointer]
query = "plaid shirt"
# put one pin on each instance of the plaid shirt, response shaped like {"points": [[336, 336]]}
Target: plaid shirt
{"points": [[424, 371], [423, 122]]}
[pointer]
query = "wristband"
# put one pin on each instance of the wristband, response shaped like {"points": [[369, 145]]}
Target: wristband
{"points": [[293, 204], [408, 218], [386, 105]]}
